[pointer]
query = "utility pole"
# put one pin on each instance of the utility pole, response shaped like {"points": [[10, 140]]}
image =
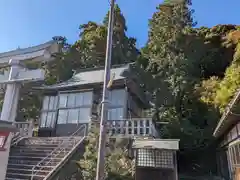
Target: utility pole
{"points": [[105, 102]]}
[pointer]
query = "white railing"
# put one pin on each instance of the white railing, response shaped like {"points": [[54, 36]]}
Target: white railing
{"points": [[25, 129], [132, 127], [62, 148]]}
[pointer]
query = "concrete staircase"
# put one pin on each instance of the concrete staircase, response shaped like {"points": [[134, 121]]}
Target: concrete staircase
{"points": [[36, 158]]}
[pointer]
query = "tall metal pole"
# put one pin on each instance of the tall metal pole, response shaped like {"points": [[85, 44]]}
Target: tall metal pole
{"points": [[105, 102]]}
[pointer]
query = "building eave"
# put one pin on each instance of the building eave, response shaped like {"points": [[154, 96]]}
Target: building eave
{"points": [[58, 87], [228, 118], [166, 144], [87, 77]]}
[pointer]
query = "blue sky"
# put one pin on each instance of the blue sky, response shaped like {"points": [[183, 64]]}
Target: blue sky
{"points": [[30, 22]]}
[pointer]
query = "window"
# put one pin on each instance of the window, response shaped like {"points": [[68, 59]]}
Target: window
{"points": [[45, 103], [71, 100], [117, 100], [77, 115], [48, 119], [234, 154], [49, 109], [66, 108], [117, 97], [73, 116], [75, 107], [115, 114], [62, 116], [49, 103], [84, 114], [63, 100]]}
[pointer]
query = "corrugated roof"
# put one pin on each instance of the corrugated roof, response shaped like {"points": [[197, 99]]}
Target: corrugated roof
{"points": [[88, 77]]}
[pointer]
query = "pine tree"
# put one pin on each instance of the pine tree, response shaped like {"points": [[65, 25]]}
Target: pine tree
{"points": [[173, 94], [167, 62]]}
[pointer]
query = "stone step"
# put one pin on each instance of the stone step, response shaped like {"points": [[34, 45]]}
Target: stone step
{"points": [[55, 138], [52, 139], [39, 152], [17, 176], [29, 166], [27, 150], [38, 145], [16, 157], [41, 149], [34, 147], [59, 154], [28, 171], [53, 162], [50, 142], [15, 179], [50, 145]]}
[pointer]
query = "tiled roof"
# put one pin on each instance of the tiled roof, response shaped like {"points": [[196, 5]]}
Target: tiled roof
{"points": [[92, 76]]}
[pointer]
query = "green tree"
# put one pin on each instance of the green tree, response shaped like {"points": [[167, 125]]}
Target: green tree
{"points": [[118, 165], [175, 74], [167, 62], [231, 81], [91, 46]]}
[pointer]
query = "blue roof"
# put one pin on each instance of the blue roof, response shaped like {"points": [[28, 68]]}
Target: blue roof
{"points": [[92, 76]]}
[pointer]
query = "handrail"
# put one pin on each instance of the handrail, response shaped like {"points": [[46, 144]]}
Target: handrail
{"points": [[16, 138], [60, 148], [132, 127]]}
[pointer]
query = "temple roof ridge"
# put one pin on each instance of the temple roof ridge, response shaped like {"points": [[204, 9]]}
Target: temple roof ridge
{"points": [[81, 70]]}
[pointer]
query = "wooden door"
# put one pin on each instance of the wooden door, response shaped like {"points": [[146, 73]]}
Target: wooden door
{"points": [[237, 173]]}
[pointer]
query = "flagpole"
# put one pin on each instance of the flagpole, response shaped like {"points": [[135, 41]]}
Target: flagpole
{"points": [[104, 111]]}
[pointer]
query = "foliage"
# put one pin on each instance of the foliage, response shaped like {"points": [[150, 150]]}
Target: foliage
{"points": [[228, 86], [118, 166], [180, 58], [207, 90], [194, 75], [167, 62], [91, 46], [208, 50]]}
